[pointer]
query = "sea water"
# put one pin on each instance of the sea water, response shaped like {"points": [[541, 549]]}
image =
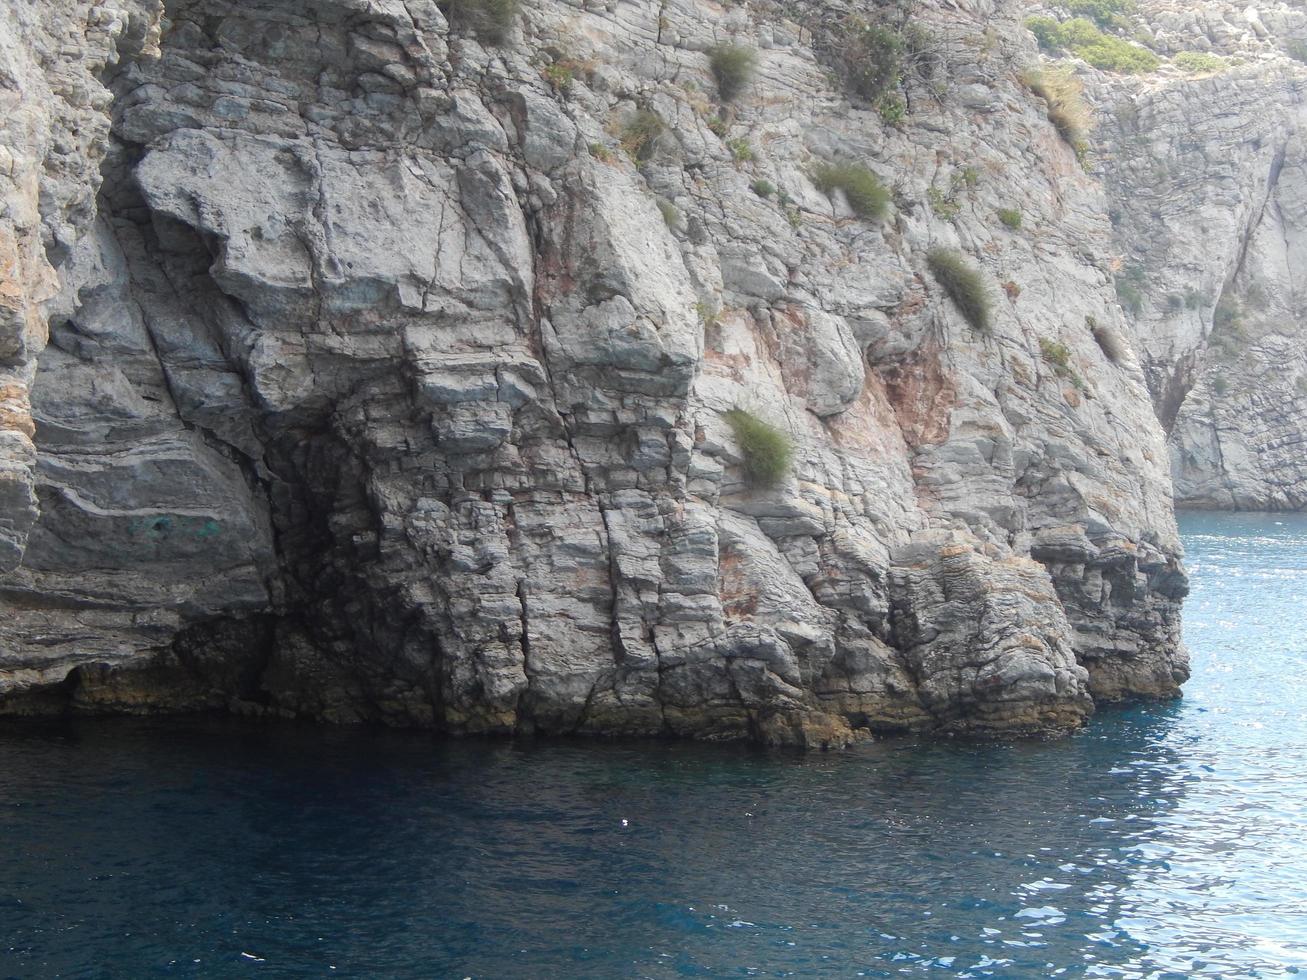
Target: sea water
{"points": [[1165, 840]]}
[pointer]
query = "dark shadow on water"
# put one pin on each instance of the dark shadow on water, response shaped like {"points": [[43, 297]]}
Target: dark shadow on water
{"points": [[177, 846]]}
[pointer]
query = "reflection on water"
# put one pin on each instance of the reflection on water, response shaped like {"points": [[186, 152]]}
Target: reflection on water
{"points": [[1164, 841]]}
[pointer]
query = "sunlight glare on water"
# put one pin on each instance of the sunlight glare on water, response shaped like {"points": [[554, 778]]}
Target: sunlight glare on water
{"points": [[1163, 841]]}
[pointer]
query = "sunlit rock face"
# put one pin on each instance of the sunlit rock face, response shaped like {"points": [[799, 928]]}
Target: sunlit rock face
{"points": [[388, 385]]}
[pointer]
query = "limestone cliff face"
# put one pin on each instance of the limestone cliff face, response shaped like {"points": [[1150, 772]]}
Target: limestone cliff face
{"points": [[388, 386], [1207, 174]]}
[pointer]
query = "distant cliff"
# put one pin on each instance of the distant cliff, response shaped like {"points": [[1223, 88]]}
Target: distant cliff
{"points": [[627, 367], [1206, 168]]}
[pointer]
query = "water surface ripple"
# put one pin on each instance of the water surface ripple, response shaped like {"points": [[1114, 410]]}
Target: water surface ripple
{"points": [[1164, 841]]}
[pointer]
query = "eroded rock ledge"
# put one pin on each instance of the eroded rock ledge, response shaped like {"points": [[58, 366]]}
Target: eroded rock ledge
{"points": [[386, 387]]}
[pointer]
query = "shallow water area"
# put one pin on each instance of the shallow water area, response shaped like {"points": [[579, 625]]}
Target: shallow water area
{"points": [[1163, 841]]}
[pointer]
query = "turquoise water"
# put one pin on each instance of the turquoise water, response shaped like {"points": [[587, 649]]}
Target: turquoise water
{"points": [[1164, 841]]}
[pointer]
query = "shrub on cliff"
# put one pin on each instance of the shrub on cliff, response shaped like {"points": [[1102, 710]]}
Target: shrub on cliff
{"points": [[964, 284], [733, 66], [1067, 110], [1130, 283], [867, 196], [640, 134], [766, 449], [489, 20], [1104, 13], [874, 54], [1081, 37], [871, 56], [1109, 341], [741, 150], [1058, 355], [1200, 63], [1047, 32]]}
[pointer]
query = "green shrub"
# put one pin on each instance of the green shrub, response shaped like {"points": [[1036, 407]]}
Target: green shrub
{"points": [[1055, 353], [1104, 13], [559, 75], [871, 57], [893, 108], [601, 152], [1047, 31], [640, 134], [1219, 385], [489, 20], [763, 188], [1199, 63], [671, 214], [1105, 51], [717, 125], [1011, 217], [964, 284], [708, 315], [944, 205], [1067, 110], [741, 150], [872, 54], [1296, 50], [766, 449], [945, 202], [733, 66], [1058, 355], [1130, 283], [867, 196]]}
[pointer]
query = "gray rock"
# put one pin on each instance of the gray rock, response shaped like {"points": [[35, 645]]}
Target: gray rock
{"points": [[383, 391]]}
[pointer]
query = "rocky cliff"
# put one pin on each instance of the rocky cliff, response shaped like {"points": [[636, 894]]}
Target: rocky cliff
{"points": [[1206, 168], [396, 372]]}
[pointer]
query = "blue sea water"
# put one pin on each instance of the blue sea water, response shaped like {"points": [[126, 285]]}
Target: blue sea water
{"points": [[1164, 841]]}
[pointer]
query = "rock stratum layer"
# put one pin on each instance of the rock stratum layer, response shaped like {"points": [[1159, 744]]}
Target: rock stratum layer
{"points": [[384, 384]]}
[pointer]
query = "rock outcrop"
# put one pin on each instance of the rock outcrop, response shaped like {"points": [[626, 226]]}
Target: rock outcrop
{"points": [[1207, 172], [390, 383]]}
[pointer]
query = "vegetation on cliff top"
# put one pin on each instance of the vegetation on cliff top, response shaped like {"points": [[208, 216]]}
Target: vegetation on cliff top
{"points": [[1082, 37]]}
